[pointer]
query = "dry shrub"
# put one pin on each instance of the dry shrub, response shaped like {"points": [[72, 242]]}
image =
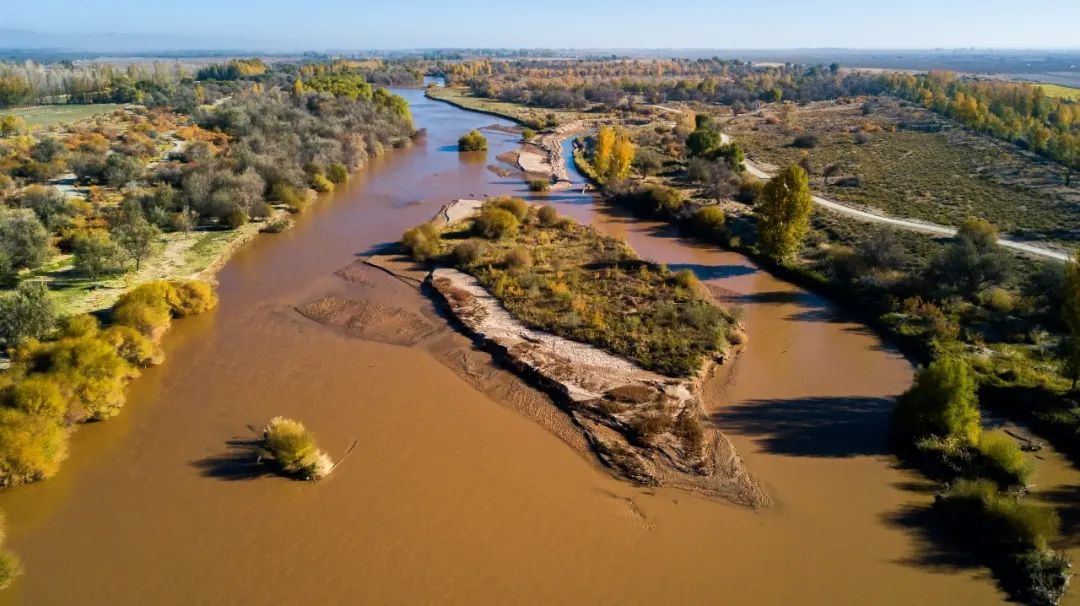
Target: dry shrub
{"points": [[518, 260]]}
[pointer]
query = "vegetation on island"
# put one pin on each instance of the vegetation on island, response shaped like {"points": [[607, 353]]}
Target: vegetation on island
{"points": [[472, 141], [556, 275], [292, 448]]}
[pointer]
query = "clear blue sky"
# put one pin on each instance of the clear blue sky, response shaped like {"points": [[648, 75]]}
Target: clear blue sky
{"points": [[323, 24]]}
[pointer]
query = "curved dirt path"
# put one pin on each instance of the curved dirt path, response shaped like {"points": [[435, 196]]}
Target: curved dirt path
{"points": [[908, 224]]}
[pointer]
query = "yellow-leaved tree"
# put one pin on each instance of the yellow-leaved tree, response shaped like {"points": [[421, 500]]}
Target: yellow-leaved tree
{"points": [[605, 145], [622, 156]]}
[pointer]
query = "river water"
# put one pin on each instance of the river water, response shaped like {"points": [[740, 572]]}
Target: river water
{"points": [[451, 497]]}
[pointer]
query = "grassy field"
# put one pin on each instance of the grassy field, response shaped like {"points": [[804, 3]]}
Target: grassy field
{"points": [[910, 164], [178, 255], [1056, 90], [570, 280], [51, 115], [529, 116]]}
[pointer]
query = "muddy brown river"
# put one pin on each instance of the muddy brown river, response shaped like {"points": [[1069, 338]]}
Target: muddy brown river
{"points": [[453, 496]]}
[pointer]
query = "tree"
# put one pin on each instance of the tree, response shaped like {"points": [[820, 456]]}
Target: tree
{"points": [[716, 178], [702, 141], [972, 261], [49, 204], [602, 153], [121, 169], [96, 254], [941, 402], [622, 156], [133, 233], [26, 313], [783, 213], [48, 149], [24, 242]]}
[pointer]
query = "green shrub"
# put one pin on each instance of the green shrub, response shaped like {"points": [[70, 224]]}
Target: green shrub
{"points": [[150, 320], [1046, 575], [26, 313], [518, 259], [10, 568], [997, 299], [133, 346], [685, 278], [191, 297], [941, 402], [90, 372], [39, 394], [1003, 454], [422, 242], [236, 218], [337, 173], [96, 254], [321, 184], [288, 196], [709, 222], [527, 134], [1001, 517], [293, 448], [807, 141], [467, 252], [749, 188], [539, 185], [277, 225], [31, 447], [496, 223], [547, 215], [472, 141], [515, 206], [653, 200], [79, 325]]}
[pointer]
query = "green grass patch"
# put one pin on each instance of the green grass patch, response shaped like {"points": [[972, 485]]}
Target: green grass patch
{"points": [[1057, 90], [51, 115]]}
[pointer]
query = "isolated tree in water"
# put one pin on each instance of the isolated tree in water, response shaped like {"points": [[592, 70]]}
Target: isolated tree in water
{"points": [[783, 213]]}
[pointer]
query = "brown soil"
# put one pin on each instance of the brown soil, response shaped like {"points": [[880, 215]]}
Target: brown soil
{"points": [[368, 320]]}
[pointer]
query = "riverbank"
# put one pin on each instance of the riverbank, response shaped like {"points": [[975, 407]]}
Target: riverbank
{"points": [[453, 480], [536, 118]]}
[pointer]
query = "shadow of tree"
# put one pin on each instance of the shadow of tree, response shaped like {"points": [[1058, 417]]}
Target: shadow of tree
{"points": [[814, 426], [713, 272], [936, 548], [1066, 500], [239, 462]]}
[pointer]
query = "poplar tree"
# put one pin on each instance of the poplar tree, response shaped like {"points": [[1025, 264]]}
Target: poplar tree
{"points": [[605, 145], [783, 213]]}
